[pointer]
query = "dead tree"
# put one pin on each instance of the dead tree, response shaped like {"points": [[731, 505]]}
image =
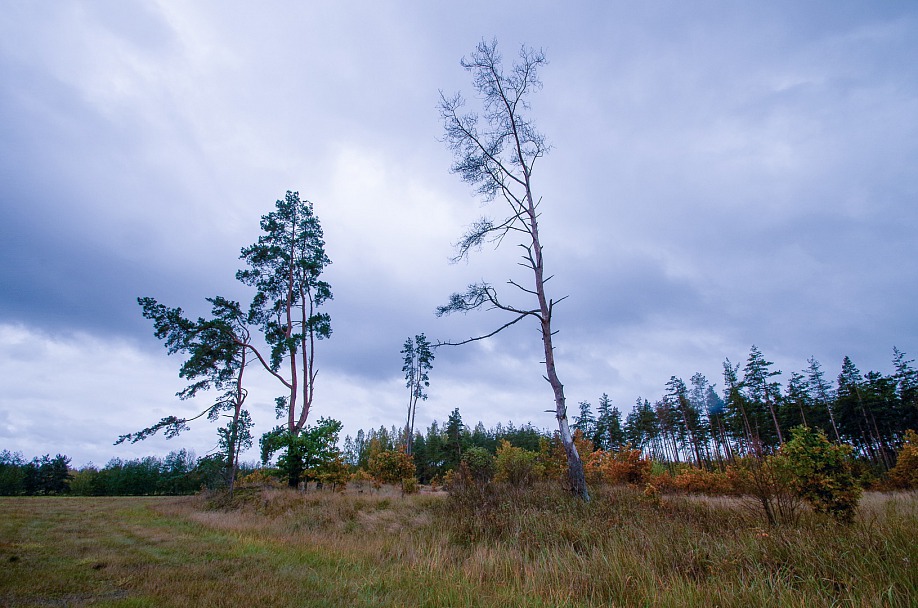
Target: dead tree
{"points": [[496, 153]]}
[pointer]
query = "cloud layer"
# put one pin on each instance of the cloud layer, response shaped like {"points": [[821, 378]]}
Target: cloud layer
{"points": [[720, 176]]}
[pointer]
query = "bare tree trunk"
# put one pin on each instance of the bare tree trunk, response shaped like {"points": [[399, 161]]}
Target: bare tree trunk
{"points": [[574, 463], [575, 472]]}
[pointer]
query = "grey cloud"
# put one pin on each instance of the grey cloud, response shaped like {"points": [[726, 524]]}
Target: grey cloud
{"points": [[721, 176]]}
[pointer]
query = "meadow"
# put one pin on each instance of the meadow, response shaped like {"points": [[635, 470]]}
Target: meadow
{"points": [[277, 547]]}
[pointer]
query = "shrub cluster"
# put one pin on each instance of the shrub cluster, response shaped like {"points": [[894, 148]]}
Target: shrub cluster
{"points": [[394, 467], [905, 474]]}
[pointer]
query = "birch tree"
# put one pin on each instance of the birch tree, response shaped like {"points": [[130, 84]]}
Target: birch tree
{"points": [[496, 153]]}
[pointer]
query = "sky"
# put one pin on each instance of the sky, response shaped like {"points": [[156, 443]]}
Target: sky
{"points": [[722, 174]]}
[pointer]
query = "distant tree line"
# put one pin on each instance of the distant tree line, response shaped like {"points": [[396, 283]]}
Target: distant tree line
{"points": [[753, 416], [441, 448], [178, 473], [693, 424]]}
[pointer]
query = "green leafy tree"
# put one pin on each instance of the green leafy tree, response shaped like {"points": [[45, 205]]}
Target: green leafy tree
{"points": [[308, 454], [480, 463], [418, 361], [285, 267], [392, 466], [496, 152], [820, 472]]}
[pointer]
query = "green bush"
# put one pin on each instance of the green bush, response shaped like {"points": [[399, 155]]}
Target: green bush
{"points": [[391, 466], [820, 472], [480, 464], [516, 466]]}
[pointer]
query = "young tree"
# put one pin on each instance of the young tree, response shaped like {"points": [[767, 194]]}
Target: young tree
{"points": [[820, 472], [217, 348], [309, 454], [586, 422], [285, 266], [609, 434], [455, 440], [821, 390], [497, 155], [418, 362], [759, 388]]}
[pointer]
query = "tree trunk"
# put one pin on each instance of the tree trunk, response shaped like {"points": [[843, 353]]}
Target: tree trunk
{"points": [[574, 463]]}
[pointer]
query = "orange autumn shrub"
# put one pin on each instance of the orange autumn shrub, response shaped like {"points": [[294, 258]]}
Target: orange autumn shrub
{"points": [[624, 466], [701, 481], [905, 474], [552, 459]]}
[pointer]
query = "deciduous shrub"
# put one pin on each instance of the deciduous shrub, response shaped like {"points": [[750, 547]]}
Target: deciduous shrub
{"points": [[624, 466], [391, 466], [552, 458], [701, 481], [410, 485], [905, 474], [516, 466], [480, 464], [362, 480], [333, 473], [820, 472], [260, 478], [769, 486]]}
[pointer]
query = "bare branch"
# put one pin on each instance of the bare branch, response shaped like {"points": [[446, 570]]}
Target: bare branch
{"points": [[493, 333], [521, 288]]}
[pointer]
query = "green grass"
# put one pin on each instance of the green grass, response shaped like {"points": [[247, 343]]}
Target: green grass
{"points": [[540, 548]]}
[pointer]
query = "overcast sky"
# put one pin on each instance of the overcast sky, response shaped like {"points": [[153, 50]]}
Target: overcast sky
{"points": [[722, 174]]}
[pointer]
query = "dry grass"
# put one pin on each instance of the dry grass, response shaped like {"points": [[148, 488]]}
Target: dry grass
{"points": [[276, 547]]}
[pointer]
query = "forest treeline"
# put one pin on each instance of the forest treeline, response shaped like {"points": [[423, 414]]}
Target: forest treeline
{"points": [[180, 472], [694, 424], [691, 426]]}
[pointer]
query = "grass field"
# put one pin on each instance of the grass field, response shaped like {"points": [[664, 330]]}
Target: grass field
{"points": [[282, 548]]}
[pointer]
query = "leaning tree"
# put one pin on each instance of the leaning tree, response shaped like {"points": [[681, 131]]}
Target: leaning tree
{"points": [[216, 349], [495, 152]]}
